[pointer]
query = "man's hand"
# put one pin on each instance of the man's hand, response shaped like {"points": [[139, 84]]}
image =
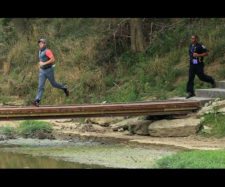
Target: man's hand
{"points": [[195, 55], [41, 63]]}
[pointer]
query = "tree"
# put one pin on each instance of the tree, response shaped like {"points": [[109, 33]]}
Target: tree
{"points": [[137, 37]]}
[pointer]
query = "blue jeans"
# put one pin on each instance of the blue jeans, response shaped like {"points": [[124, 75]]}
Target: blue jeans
{"points": [[45, 74]]}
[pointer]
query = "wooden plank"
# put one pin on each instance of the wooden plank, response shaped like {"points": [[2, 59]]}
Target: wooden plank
{"points": [[95, 110], [60, 116], [103, 107]]}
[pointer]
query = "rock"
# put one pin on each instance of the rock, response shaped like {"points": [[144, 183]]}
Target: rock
{"points": [[120, 130], [65, 126], [206, 129], [174, 128], [97, 128], [205, 110], [139, 127], [219, 104], [144, 118], [123, 124], [221, 110], [216, 106], [104, 121], [217, 99], [3, 137], [202, 119], [90, 128], [64, 120]]}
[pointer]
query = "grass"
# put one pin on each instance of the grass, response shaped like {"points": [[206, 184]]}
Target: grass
{"points": [[5, 99], [32, 128], [216, 121], [194, 159], [28, 129], [8, 131]]}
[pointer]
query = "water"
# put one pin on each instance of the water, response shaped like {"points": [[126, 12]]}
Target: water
{"points": [[32, 153], [16, 160], [11, 156]]}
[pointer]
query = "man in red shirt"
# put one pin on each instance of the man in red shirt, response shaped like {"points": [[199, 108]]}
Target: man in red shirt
{"points": [[46, 71]]}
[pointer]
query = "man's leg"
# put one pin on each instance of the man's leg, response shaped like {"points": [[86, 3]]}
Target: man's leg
{"points": [[190, 83], [203, 77], [41, 84], [51, 78]]}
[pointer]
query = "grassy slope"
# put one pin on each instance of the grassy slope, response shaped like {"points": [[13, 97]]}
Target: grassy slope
{"points": [[95, 71]]}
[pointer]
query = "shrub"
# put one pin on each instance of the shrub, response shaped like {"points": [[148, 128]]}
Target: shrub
{"points": [[32, 128]]}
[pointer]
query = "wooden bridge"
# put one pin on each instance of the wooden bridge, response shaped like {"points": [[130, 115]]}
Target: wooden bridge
{"points": [[167, 107]]}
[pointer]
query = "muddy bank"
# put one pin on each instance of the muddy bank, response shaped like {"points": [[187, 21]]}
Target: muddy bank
{"points": [[70, 130], [29, 142], [176, 143]]}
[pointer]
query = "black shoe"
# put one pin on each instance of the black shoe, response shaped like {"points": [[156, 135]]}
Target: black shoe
{"points": [[36, 103], [66, 91], [190, 95], [214, 84]]}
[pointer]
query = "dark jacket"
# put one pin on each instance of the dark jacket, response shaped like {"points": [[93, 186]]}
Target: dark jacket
{"points": [[196, 48]]}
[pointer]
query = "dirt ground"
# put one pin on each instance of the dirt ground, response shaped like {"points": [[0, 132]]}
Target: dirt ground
{"points": [[65, 131], [191, 142]]}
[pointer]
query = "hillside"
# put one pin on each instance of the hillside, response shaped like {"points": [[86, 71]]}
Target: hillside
{"points": [[95, 58]]}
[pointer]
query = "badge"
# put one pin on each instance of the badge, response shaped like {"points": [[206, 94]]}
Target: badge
{"points": [[195, 61]]}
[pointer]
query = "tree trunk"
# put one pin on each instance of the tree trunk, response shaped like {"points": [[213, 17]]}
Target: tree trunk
{"points": [[137, 36]]}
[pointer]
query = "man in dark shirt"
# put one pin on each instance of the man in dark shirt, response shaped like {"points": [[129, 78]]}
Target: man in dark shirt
{"points": [[197, 52]]}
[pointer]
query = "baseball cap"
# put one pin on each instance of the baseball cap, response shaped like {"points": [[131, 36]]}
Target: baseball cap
{"points": [[42, 40]]}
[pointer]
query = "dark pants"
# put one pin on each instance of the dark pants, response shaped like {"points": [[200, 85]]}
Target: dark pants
{"points": [[197, 69]]}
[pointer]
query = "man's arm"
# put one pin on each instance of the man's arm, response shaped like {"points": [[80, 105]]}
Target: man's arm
{"points": [[51, 57], [201, 52], [50, 61], [200, 55]]}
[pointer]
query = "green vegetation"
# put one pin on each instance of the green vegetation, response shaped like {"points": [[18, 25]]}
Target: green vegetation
{"points": [[33, 128], [215, 121], [95, 58], [7, 131], [29, 129], [194, 159]]}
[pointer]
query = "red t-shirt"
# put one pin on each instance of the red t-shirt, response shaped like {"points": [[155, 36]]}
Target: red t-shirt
{"points": [[49, 53]]}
